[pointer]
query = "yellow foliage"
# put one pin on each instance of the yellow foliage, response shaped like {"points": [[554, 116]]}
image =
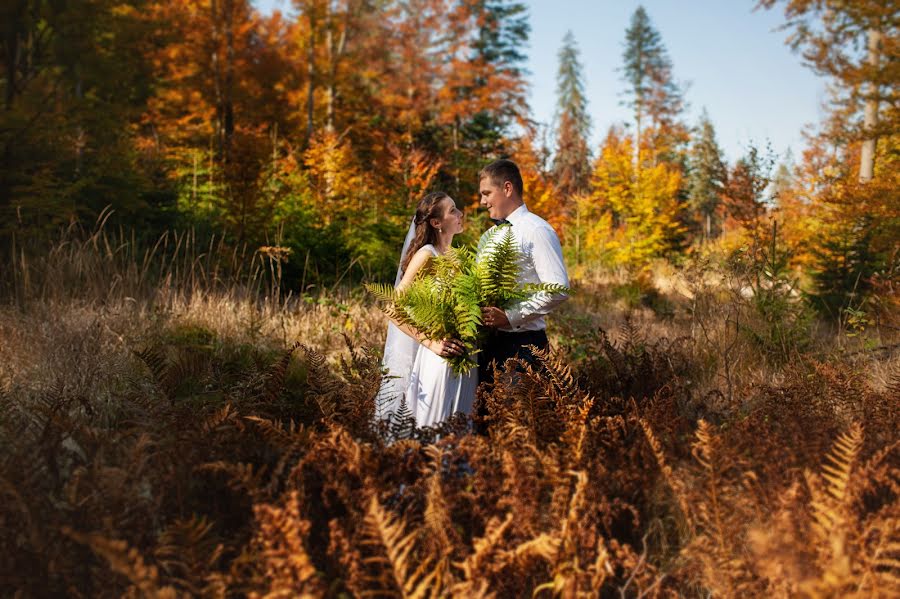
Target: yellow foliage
{"points": [[632, 212], [334, 176]]}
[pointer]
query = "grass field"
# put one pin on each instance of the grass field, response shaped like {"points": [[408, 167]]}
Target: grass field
{"points": [[173, 423]]}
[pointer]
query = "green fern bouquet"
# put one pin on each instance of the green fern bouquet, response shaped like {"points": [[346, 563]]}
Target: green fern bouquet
{"points": [[445, 302]]}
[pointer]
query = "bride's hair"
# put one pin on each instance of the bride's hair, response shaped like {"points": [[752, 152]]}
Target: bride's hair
{"points": [[427, 208]]}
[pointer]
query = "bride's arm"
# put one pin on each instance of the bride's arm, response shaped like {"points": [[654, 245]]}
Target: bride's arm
{"points": [[419, 260]]}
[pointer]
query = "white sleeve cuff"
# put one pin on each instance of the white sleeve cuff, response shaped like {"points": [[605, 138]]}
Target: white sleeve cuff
{"points": [[514, 316]]}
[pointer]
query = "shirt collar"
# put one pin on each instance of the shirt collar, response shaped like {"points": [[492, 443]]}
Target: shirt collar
{"points": [[517, 215]]}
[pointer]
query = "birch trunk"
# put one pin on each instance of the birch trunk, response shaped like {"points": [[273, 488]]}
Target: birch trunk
{"points": [[870, 114]]}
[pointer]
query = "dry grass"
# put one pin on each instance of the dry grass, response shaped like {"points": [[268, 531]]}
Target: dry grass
{"points": [[164, 434]]}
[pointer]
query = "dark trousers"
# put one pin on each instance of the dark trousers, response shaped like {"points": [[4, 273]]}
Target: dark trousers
{"points": [[497, 348]]}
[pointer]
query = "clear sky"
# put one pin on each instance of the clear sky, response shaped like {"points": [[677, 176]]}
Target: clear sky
{"points": [[735, 62]]}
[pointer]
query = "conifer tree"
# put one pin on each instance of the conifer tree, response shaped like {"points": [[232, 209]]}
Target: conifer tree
{"points": [[707, 178], [571, 164], [647, 70], [487, 83]]}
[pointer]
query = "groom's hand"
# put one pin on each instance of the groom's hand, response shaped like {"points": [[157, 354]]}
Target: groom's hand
{"points": [[494, 317]]}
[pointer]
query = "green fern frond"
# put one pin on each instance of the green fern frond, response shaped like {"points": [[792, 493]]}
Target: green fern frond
{"points": [[382, 291]]}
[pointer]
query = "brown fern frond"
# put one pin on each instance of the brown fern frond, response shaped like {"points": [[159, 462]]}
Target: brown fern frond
{"points": [[128, 562], [276, 374], [217, 420], [187, 553], [282, 436], [828, 507], [437, 516], [285, 561], [577, 428], [842, 457], [484, 549], [704, 447], [397, 554], [576, 506], [544, 546], [156, 362], [675, 484]]}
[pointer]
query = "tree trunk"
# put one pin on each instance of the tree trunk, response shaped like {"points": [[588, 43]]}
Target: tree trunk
{"points": [[12, 53], [335, 53], [577, 232], [228, 95], [217, 76], [870, 115], [310, 76]]}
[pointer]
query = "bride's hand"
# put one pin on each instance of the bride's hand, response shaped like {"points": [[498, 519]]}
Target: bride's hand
{"points": [[446, 348]]}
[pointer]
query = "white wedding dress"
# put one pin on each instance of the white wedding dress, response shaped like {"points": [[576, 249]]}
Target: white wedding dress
{"points": [[433, 391]]}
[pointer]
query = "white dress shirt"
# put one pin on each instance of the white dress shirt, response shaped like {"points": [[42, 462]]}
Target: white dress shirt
{"points": [[542, 262]]}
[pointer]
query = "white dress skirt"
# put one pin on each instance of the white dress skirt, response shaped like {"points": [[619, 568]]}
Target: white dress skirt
{"points": [[435, 392]]}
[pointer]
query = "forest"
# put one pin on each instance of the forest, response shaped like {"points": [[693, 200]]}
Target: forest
{"points": [[194, 194]]}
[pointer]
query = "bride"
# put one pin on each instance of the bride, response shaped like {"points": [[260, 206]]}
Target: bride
{"points": [[415, 365]]}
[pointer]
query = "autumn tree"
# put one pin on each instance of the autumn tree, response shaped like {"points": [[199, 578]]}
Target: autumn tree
{"points": [[829, 34], [634, 214], [571, 162], [707, 177], [72, 81], [798, 219], [540, 186], [853, 168], [746, 198], [485, 93]]}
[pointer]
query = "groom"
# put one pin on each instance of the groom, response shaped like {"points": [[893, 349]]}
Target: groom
{"points": [[511, 331]]}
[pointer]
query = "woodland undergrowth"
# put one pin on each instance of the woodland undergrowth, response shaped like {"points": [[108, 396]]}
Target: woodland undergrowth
{"points": [[197, 439]]}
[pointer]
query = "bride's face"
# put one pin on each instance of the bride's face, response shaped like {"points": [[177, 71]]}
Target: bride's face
{"points": [[451, 221]]}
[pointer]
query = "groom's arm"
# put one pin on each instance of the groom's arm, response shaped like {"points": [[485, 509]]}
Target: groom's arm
{"points": [[546, 253]]}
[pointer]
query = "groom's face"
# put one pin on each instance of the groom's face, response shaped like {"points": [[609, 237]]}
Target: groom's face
{"points": [[496, 198]]}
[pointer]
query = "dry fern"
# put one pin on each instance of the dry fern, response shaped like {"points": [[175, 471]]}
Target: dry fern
{"points": [[393, 550]]}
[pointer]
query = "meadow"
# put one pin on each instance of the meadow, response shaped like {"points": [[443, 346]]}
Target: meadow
{"points": [[175, 423]]}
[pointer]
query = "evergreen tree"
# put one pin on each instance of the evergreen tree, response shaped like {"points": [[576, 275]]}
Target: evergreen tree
{"points": [[502, 36], [648, 73], [571, 164], [707, 178], [486, 81]]}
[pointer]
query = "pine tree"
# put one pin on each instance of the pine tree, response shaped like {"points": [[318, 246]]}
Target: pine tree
{"points": [[648, 73], [707, 178], [571, 164]]}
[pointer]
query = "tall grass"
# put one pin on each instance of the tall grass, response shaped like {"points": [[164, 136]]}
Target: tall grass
{"points": [[173, 422]]}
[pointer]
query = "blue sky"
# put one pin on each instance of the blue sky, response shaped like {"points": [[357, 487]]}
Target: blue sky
{"points": [[754, 88]]}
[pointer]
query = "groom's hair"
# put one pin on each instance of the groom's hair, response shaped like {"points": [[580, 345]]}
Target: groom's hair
{"points": [[501, 171]]}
